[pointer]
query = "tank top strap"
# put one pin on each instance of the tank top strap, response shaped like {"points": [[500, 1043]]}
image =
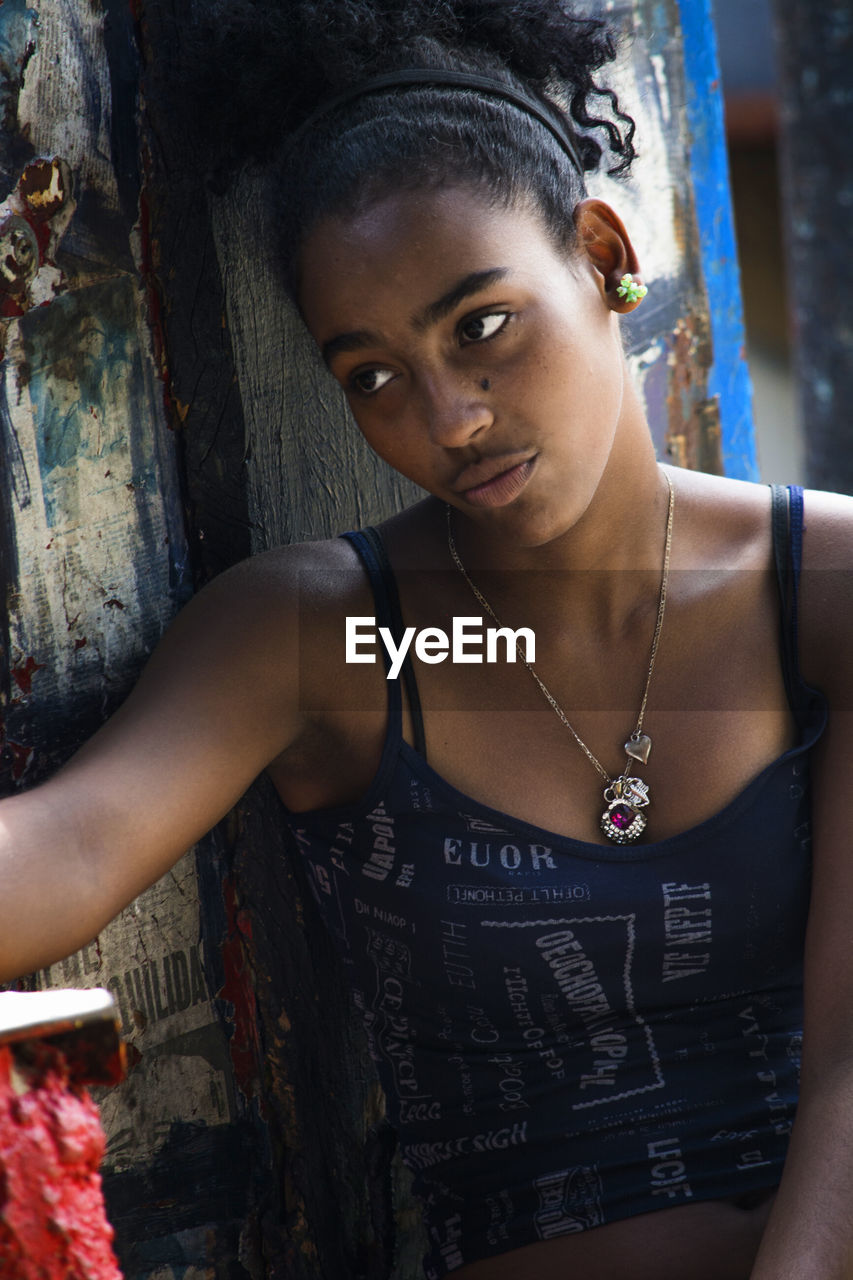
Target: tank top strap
{"points": [[371, 549], [787, 525]]}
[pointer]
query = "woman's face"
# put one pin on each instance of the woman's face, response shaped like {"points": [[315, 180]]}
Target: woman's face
{"points": [[479, 359]]}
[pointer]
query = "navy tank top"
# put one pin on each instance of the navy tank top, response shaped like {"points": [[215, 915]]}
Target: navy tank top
{"points": [[570, 1034]]}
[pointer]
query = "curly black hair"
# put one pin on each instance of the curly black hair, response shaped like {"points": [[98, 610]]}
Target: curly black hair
{"points": [[284, 58]]}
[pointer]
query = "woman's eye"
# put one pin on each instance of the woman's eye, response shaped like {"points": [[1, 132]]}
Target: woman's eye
{"points": [[370, 380], [481, 328]]}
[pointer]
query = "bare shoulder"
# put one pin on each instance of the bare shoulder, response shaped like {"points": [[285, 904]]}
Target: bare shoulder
{"points": [[739, 504], [828, 531], [266, 598], [247, 636], [279, 576], [737, 509], [726, 523], [826, 595], [721, 523]]}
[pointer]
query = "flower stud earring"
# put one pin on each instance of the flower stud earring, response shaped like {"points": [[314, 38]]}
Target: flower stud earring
{"points": [[631, 290]]}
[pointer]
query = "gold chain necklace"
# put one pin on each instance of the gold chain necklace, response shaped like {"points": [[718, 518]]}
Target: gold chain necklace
{"points": [[625, 797]]}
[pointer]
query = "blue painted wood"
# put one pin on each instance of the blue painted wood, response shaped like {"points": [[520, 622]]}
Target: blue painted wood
{"points": [[729, 375]]}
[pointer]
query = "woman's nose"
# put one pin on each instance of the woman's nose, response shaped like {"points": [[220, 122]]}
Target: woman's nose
{"points": [[457, 409]]}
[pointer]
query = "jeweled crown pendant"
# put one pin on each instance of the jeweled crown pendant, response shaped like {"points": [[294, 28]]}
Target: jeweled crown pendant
{"points": [[622, 821]]}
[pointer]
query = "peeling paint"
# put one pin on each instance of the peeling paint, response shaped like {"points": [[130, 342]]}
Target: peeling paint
{"points": [[729, 389], [693, 433], [33, 220], [18, 36], [19, 257], [238, 989], [44, 188], [22, 757], [52, 1220], [23, 674]]}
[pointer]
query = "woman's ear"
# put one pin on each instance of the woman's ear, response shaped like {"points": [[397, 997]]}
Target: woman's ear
{"points": [[602, 236]]}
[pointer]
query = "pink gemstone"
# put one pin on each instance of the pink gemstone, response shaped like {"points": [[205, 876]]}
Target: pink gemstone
{"points": [[621, 816]]}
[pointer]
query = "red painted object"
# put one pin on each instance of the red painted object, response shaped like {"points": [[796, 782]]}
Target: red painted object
{"points": [[52, 1220]]}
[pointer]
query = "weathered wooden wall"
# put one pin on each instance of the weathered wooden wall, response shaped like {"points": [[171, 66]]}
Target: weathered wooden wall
{"points": [[686, 341], [94, 562], [249, 1138]]}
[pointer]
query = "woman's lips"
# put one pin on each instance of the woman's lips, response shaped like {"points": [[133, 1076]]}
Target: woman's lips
{"points": [[498, 489]]}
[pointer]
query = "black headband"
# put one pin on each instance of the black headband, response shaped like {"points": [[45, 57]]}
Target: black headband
{"points": [[455, 80]]}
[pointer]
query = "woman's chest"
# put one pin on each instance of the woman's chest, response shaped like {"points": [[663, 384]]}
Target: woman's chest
{"points": [[543, 739], [712, 716]]}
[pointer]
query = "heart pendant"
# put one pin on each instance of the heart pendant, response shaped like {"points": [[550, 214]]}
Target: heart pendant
{"points": [[639, 748]]}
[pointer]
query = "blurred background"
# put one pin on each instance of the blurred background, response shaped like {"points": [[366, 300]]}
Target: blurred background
{"points": [[787, 72], [748, 63]]}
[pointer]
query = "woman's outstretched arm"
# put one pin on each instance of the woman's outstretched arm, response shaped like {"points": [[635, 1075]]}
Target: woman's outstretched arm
{"points": [[217, 702], [810, 1232]]}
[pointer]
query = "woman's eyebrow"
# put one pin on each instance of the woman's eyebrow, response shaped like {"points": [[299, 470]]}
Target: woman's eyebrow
{"points": [[347, 342], [469, 284], [473, 283]]}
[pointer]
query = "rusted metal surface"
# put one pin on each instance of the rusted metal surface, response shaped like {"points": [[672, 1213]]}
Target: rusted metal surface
{"points": [[815, 49], [52, 1219]]}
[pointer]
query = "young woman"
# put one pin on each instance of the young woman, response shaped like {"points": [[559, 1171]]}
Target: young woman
{"points": [[574, 894]]}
